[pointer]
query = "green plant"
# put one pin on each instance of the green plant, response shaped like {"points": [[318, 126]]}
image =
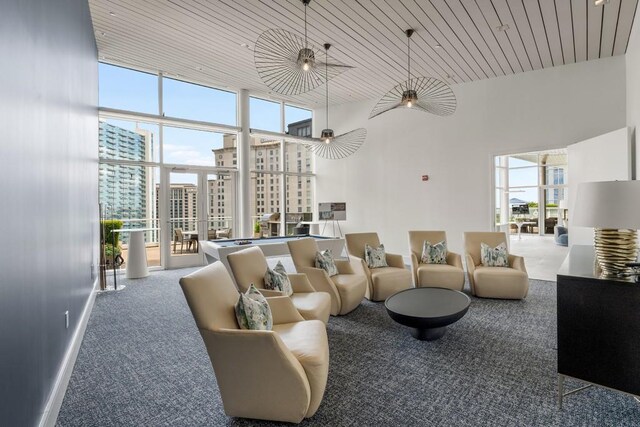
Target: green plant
{"points": [[109, 251], [533, 204], [111, 224], [256, 227]]}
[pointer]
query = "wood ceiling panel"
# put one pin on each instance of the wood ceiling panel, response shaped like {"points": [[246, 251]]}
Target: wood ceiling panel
{"points": [[488, 34], [490, 15], [484, 41], [565, 21], [468, 36], [455, 40], [552, 27], [609, 26], [531, 27], [579, 13], [503, 10], [594, 29], [626, 17]]}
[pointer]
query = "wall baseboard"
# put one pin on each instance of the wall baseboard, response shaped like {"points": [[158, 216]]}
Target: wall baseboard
{"points": [[54, 403]]}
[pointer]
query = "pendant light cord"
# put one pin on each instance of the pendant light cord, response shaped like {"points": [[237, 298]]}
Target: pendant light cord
{"points": [[326, 77], [408, 58], [305, 25]]}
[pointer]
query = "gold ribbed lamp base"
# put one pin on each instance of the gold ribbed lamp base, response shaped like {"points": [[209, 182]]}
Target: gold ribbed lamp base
{"points": [[615, 248]]}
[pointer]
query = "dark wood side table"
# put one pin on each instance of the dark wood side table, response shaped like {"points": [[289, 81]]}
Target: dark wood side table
{"points": [[598, 326]]}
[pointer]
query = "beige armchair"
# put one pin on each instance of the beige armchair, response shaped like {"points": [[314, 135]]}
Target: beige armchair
{"points": [[449, 275], [346, 288], [277, 375], [494, 282], [250, 265], [384, 281]]}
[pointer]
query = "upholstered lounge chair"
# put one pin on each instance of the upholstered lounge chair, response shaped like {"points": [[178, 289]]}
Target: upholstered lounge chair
{"points": [[384, 281], [277, 375], [494, 282], [346, 288], [250, 265], [449, 275]]}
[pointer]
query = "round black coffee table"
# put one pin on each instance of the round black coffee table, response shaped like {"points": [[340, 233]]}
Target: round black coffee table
{"points": [[427, 311]]}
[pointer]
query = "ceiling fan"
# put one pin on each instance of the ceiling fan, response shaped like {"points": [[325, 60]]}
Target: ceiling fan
{"points": [[426, 94], [288, 64], [330, 146]]}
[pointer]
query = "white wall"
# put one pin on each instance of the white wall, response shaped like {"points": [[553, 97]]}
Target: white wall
{"points": [[537, 110], [602, 158]]}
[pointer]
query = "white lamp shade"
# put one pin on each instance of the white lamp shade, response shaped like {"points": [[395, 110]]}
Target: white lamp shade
{"points": [[562, 204], [609, 204]]}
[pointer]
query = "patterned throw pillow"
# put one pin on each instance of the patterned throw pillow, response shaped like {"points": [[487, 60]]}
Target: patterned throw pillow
{"points": [[253, 312], [434, 254], [324, 260], [375, 257], [278, 280], [494, 257]]}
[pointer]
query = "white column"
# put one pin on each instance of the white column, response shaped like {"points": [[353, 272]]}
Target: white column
{"points": [[244, 176], [283, 177], [505, 213]]}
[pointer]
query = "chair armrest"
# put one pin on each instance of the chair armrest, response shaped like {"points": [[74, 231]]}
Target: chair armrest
{"points": [[344, 266], [394, 260], [471, 267], [454, 259], [517, 262], [249, 386], [414, 268], [271, 293], [300, 283], [321, 282], [283, 310]]}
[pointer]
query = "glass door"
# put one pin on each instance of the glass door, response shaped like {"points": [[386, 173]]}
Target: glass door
{"points": [[199, 205]]}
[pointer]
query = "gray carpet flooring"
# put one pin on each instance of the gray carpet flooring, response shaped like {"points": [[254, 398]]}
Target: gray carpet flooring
{"points": [[142, 362]]}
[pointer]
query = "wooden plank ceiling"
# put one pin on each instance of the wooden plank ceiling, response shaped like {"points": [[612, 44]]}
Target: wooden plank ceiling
{"points": [[210, 41]]}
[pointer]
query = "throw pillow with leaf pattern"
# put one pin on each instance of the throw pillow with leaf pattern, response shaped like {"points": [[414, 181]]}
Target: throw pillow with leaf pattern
{"points": [[278, 280], [324, 260], [253, 311], [375, 257], [494, 257], [434, 254]]}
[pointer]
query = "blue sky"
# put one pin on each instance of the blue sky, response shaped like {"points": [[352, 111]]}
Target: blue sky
{"points": [[135, 91]]}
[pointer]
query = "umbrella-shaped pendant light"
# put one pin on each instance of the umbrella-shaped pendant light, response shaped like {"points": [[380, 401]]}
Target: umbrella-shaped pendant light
{"points": [[426, 94], [341, 146], [287, 63]]}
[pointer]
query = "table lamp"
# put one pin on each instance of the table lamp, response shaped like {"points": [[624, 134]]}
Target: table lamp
{"points": [[562, 211], [613, 209]]}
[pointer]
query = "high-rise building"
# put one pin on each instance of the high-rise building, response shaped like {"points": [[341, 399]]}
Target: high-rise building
{"points": [[265, 185], [126, 191]]}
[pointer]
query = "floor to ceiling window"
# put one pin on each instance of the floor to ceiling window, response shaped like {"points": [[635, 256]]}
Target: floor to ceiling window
{"points": [[168, 163], [529, 187], [191, 136], [281, 170]]}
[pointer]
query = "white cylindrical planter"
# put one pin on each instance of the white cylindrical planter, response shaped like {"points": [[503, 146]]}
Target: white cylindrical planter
{"points": [[137, 256]]}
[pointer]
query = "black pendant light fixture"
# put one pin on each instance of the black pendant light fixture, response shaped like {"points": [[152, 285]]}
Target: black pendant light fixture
{"points": [[426, 94], [336, 147], [287, 63]]}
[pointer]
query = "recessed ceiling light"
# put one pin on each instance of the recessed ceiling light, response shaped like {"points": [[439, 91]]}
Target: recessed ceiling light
{"points": [[112, 13], [199, 68], [600, 2], [438, 46], [504, 27], [244, 45]]}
